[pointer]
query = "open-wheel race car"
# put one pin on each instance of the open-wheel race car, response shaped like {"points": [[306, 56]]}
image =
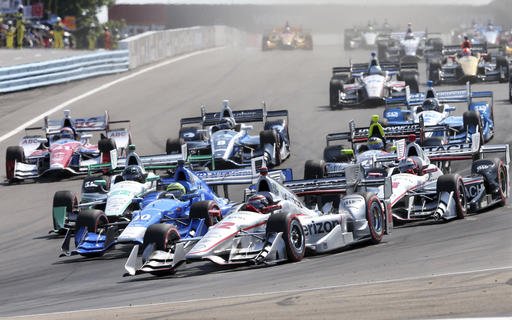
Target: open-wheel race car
{"points": [[118, 211], [287, 38], [476, 64], [275, 225], [371, 83], [65, 149], [220, 140], [434, 109]]}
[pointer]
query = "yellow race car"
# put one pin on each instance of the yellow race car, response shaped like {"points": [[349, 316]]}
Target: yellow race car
{"points": [[287, 38]]}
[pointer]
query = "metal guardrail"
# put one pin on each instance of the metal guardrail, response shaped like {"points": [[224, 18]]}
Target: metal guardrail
{"points": [[39, 74]]}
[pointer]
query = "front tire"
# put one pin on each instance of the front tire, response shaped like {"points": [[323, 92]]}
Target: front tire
{"points": [[375, 217], [453, 182], [164, 236], [64, 199], [314, 169], [13, 154], [293, 234]]}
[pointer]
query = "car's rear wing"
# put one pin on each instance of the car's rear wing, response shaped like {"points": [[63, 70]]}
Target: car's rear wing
{"points": [[360, 134], [240, 116], [454, 151], [448, 96], [247, 175], [91, 124], [354, 180]]}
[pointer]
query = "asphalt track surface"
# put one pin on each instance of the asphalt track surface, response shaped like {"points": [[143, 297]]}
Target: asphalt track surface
{"points": [[429, 270]]}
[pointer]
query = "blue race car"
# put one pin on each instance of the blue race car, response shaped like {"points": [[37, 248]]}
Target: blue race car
{"points": [[184, 202], [433, 110]]}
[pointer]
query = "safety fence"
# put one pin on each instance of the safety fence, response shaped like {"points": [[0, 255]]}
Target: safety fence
{"points": [[27, 76], [135, 51]]}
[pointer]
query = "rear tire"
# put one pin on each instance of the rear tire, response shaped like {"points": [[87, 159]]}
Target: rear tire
{"points": [[271, 137], [411, 80], [293, 234], [503, 68], [207, 210], [472, 119], [173, 146], [314, 169], [13, 154], [453, 182], [64, 199]]}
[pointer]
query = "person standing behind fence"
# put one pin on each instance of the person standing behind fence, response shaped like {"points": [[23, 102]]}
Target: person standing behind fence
{"points": [[9, 35], [58, 34], [20, 27], [107, 38], [92, 37]]}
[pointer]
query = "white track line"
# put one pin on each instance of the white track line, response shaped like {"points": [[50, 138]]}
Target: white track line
{"points": [[277, 292], [101, 88]]}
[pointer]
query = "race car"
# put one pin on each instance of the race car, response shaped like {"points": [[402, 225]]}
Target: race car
{"points": [[287, 38], [422, 192], [275, 225], [183, 201], [363, 37], [434, 108], [116, 191], [223, 138], [65, 149], [371, 84], [400, 47], [462, 65]]}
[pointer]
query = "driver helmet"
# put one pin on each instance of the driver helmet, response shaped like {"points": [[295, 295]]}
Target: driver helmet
{"points": [[176, 189], [466, 52], [408, 165], [431, 104], [67, 133], [409, 35], [375, 143], [259, 202], [228, 123], [133, 173]]}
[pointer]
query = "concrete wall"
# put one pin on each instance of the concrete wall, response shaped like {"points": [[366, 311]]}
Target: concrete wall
{"points": [[153, 46]]}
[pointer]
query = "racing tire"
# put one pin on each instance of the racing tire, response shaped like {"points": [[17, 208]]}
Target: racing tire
{"points": [[510, 89], [13, 154], [333, 154], [207, 210], [88, 185], [164, 236], [309, 42], [382, 49], [411, 80], [375, 217], [106, 145], [335, 85], [64, 199], [92, 219], [314, 169], [502, 181], [272, 137], [173, 146], [472, 119], [503, 68], [264, 46], [293, 234], [434, 73], [453, 182]]}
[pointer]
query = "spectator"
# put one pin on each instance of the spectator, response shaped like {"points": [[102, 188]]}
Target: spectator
{"points": [[91, 37], [107, 38], [58, 34], [9, 35], [20, 27]]}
